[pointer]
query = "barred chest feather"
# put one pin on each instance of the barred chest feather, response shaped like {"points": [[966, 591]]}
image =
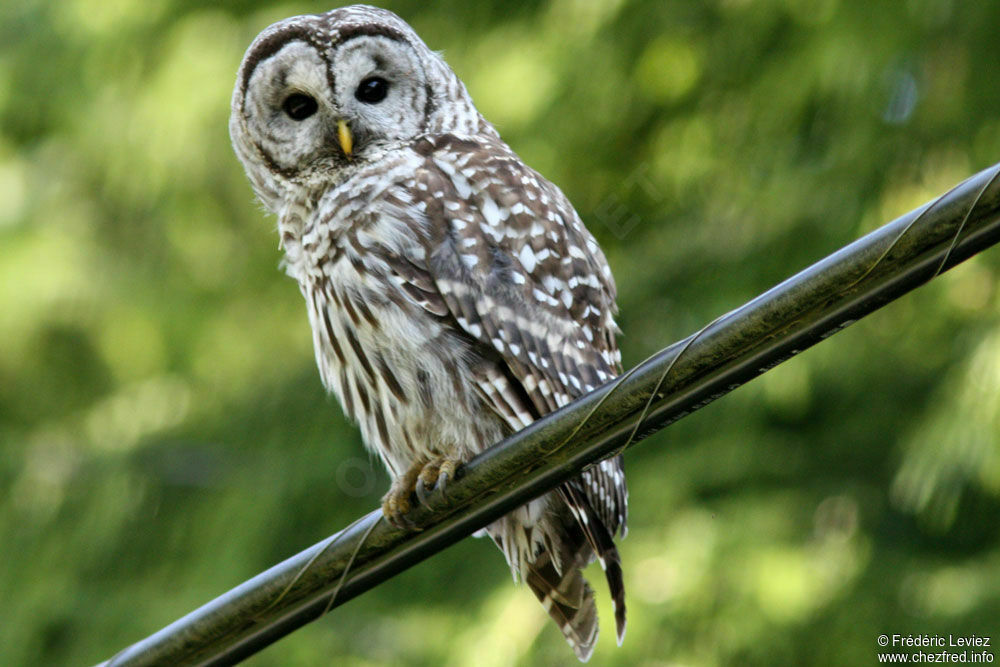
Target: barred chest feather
{"points": [[404, 377]]}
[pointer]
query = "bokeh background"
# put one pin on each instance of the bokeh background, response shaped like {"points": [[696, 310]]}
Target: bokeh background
{"points": [[164, 434]]}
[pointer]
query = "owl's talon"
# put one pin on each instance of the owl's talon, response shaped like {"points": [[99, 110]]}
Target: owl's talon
{"points": [[396, 502], [401, 522], [442, 483], [435, 477], [421, 480], [446, 472], [422, 493], [394, 509]]}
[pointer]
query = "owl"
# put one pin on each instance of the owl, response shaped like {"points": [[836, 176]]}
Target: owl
{"points": [[454, 294]]}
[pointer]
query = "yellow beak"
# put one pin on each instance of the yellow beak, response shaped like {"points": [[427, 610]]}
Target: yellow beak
{"points": [[345, 138]]}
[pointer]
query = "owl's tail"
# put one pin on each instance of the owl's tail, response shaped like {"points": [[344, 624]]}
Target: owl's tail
{"points": [[569, 600], [555, 577], [601, 544], [547, 544]]}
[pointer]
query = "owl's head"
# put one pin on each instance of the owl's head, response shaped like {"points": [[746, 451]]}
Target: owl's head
{"points": [[319, 96]]}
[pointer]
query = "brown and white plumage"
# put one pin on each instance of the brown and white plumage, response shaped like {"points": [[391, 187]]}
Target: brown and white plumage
{"points": [[454, 294]]}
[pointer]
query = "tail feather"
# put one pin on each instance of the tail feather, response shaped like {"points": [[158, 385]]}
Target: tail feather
{"points": [[603, 544], [569, 600], [547, 546]]}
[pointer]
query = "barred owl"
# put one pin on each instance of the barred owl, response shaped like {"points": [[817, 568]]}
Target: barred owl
{"points": [[454, 294]]}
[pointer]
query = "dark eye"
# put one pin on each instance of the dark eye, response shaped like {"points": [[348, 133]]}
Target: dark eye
{"points": [[299, 106], [372, 90]]}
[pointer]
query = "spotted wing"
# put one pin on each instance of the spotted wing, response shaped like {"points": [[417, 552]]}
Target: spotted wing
{"points": [[509, 261]]}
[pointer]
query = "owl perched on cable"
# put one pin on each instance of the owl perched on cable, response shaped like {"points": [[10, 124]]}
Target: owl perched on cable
{"points": [[454, 294]]}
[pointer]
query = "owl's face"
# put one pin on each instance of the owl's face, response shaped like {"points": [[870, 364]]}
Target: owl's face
{"points": [[319, 96]]}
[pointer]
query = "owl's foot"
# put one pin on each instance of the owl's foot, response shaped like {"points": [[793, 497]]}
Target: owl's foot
{"points": [[435, 475], [396, 502], [421, 478]]}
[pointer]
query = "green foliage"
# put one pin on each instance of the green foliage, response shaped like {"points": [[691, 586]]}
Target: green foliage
{"points": [[165, 435]]}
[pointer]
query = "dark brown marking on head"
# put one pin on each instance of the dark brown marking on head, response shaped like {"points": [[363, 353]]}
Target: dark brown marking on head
{"points": [[270, 45]]}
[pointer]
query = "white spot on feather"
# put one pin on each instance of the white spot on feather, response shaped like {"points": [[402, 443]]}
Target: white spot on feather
{"points": [[494, 233], [490, 211], [527, 258]]}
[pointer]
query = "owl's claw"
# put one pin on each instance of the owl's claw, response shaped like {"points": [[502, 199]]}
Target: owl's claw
{"points": [[396, 502], [422, 493], [422, 478], [435, 475], [396, 516]]}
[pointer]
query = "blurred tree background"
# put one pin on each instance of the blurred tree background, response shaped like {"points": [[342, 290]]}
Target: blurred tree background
{"points": [[164, 434]]}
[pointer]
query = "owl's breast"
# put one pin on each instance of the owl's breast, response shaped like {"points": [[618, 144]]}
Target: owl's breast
{"points": [[401, 373]]}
